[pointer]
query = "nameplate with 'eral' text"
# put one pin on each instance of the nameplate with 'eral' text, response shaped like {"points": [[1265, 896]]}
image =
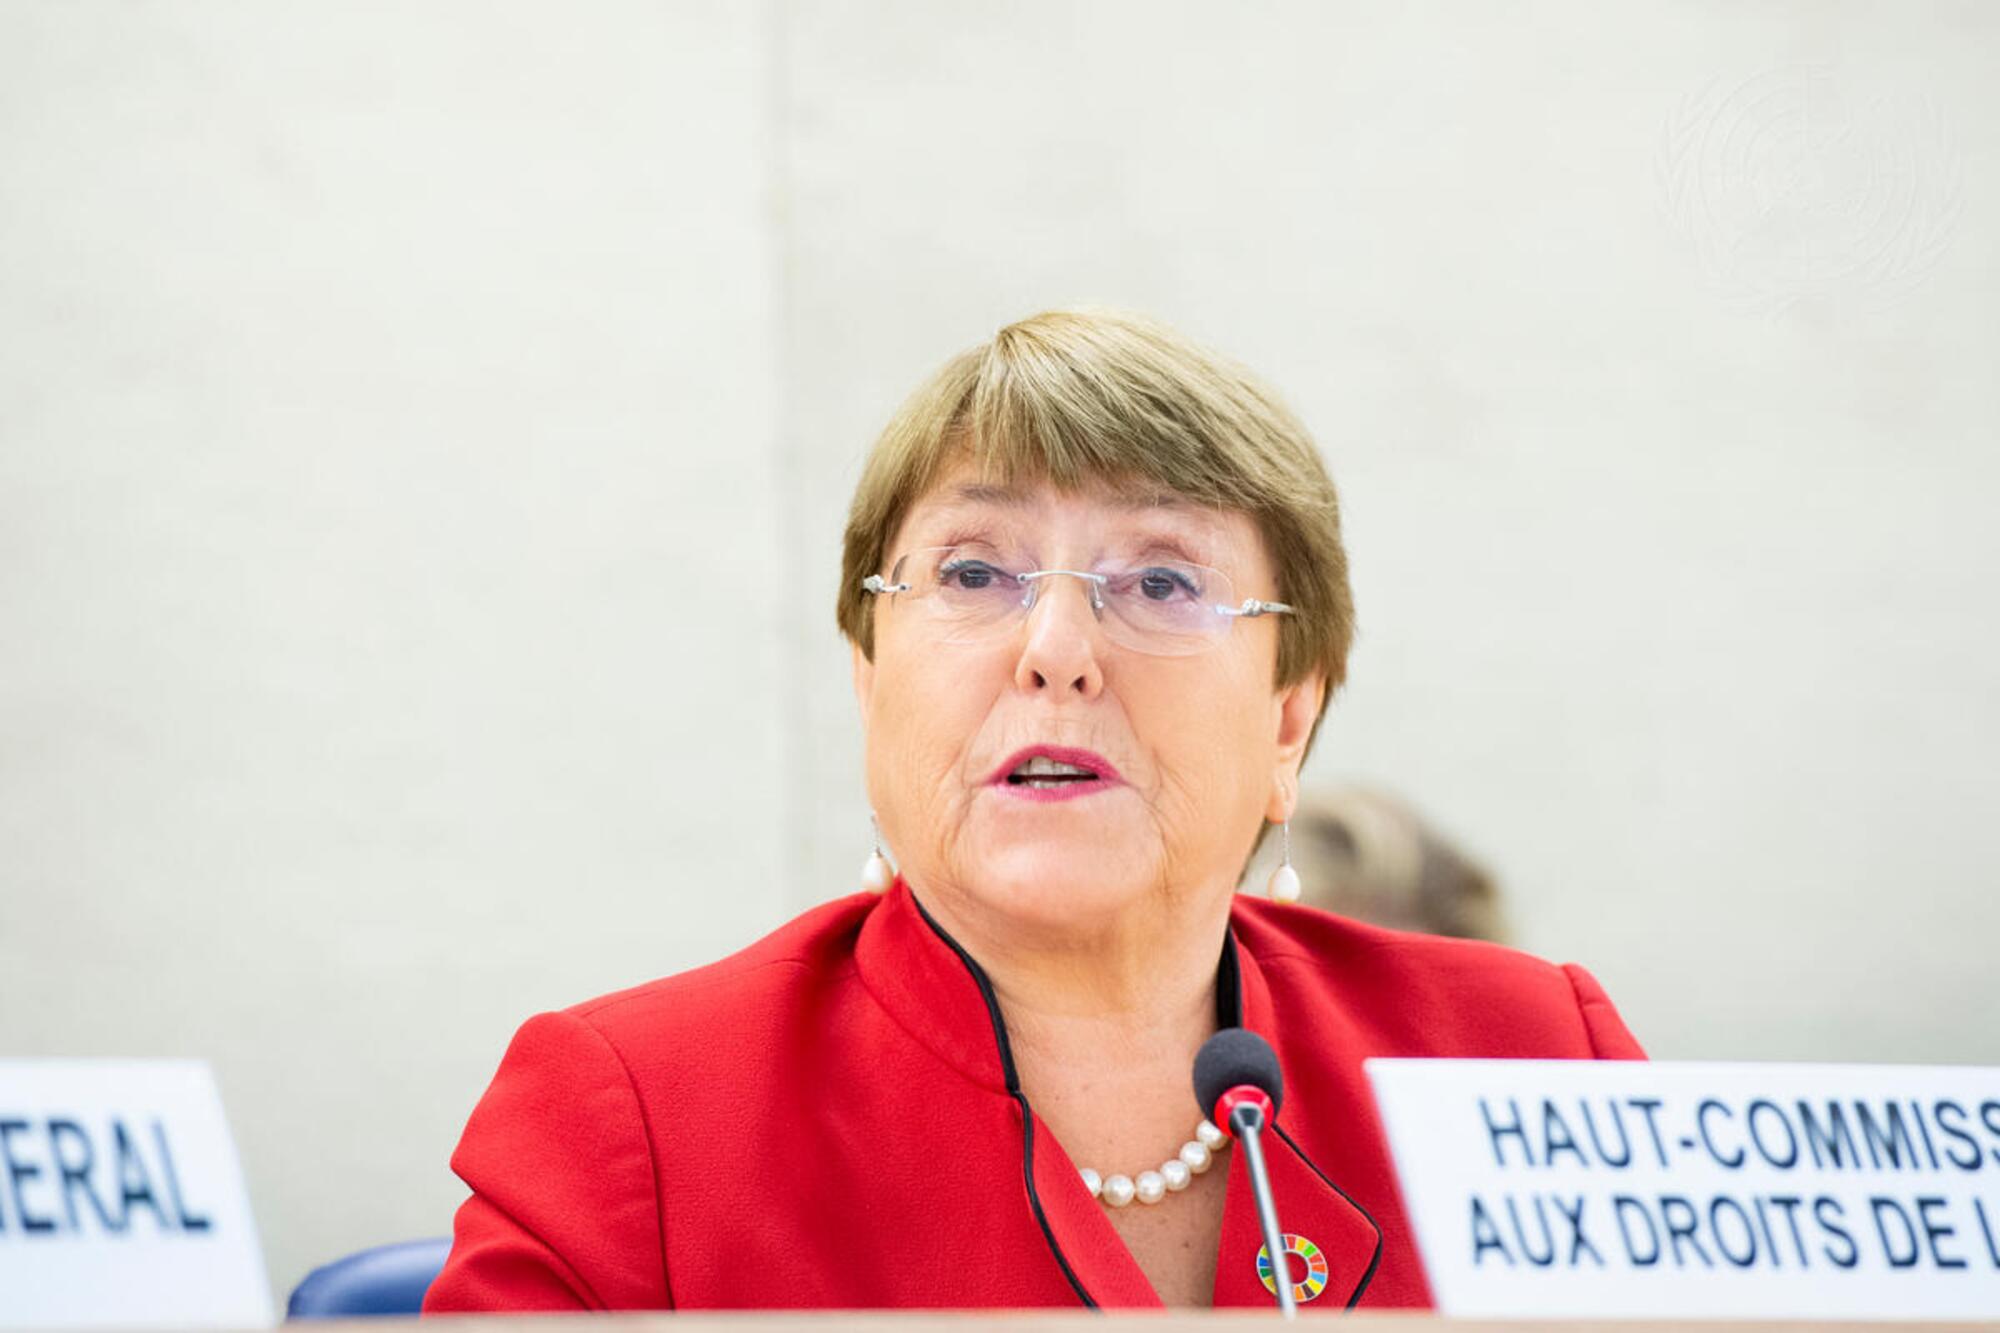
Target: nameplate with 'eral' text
{"points": [[121, 1200], [1549, 1188]]}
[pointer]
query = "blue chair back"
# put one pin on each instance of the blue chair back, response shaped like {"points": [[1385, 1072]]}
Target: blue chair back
{"points": [[387, 1280]]}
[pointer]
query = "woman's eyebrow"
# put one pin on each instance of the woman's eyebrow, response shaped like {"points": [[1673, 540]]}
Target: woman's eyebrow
{"points": [[1172, 543], [1183, 527], [983, 493], [970, 500], [1121, 497]]}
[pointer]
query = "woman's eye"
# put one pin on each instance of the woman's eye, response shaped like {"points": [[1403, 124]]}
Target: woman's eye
{"points": [[1159, 585], [971, 577]]}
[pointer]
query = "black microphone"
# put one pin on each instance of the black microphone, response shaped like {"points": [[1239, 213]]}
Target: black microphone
{"points": [[1239, 1086], [1236, 1058]]}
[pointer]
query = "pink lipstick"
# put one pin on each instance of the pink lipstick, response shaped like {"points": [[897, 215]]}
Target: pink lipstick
{"points": [[1055, 773]]}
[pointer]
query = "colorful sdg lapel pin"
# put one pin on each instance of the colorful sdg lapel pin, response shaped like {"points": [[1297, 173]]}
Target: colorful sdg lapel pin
{"points": [[1310, 1256]]}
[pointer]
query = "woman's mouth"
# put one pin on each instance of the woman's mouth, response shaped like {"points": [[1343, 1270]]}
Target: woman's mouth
{"points": [[1045, 773]]}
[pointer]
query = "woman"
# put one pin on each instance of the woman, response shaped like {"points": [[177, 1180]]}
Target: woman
{"points": [[1096, 594]]}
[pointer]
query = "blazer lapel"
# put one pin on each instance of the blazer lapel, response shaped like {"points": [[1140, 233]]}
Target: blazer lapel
{"points": [[1083, 1234], [1333, 1245]]}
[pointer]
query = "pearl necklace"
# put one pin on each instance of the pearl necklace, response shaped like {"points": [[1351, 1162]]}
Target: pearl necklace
{"points": [[1195, 1157]]}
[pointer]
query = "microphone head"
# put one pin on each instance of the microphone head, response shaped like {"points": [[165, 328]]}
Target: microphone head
{"points": [[1233, 1058]]}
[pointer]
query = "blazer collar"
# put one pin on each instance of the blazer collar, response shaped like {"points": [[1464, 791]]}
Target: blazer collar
{"points": [[934, 990], [940, 995]]}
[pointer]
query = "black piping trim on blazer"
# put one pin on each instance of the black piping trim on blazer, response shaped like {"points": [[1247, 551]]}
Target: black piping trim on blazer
{"points": [[1229, 1013], [1020, 1098], [1229, 986], [1374, 1259]]}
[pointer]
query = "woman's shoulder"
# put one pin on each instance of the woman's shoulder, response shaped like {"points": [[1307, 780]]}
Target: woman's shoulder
{"points": [[808, 952], [1279, 930], [622, 1073], [1465, 996]]}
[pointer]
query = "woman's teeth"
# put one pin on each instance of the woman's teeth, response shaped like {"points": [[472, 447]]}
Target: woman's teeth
{"points": [[1044, 772]]}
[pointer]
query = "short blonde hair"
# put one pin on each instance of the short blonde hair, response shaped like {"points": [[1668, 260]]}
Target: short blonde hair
{"points": [[1076, 397]]}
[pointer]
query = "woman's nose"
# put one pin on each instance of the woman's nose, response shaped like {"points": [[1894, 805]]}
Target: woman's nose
{"points": [[1060, 653]]}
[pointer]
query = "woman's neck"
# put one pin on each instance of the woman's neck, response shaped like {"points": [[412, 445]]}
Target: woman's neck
{"points": [[1132, 990], [1104, 1025]]}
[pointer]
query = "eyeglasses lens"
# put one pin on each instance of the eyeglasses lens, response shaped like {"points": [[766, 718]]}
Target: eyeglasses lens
{"points": [[1165, 608]]}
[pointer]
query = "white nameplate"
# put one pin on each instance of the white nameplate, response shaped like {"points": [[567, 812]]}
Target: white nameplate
{"points": [[1547, 1188], [121, 1202]]}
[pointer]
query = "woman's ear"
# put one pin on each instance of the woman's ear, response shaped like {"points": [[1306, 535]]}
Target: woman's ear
{"points": [[1298, 708], [864, 681]]}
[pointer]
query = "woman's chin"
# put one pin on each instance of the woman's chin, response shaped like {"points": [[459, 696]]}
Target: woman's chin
{"points": [[1056, 881]]}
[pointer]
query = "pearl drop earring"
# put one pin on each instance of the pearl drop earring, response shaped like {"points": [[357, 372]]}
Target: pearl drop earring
{"points": [[877, 874], [1285, 880]]}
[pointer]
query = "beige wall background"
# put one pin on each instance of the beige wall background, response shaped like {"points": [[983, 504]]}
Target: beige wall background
{"points": [[424, 433]]}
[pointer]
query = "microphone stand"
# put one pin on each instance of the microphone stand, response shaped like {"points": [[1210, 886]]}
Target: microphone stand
{"points": [[1246, 1122]]}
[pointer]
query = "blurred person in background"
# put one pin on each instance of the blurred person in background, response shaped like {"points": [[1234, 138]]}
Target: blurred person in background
{"points": [[1366, 854], [1097, 598]]}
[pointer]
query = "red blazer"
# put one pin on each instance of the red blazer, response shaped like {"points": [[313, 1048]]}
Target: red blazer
{"points": [[830, 1119]]}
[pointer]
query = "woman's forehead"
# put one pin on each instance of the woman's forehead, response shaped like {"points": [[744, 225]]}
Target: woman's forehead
{"points": [[1126, 513], [1110, 500]]}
